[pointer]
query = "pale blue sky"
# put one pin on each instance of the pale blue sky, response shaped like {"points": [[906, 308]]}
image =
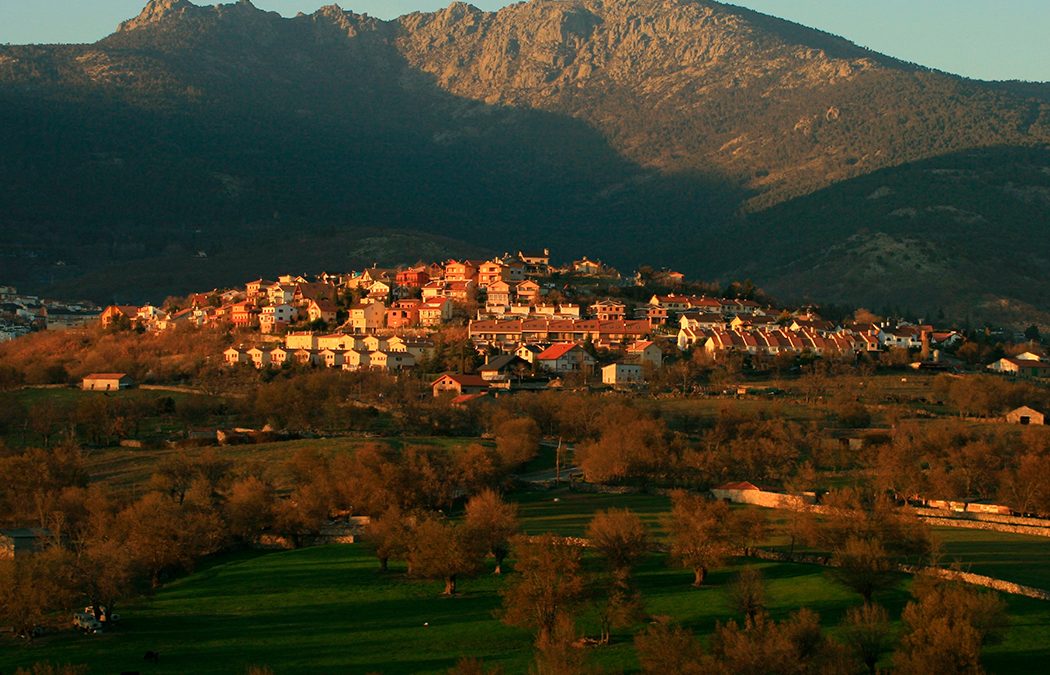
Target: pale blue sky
{"points": [[987, 39]]}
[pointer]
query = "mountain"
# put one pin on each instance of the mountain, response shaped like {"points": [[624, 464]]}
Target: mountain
{"points": [[960, 234], [680, 132]]}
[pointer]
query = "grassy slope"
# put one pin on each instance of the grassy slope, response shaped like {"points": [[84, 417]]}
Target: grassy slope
{"points": [[329, 610], [1015, 557]]}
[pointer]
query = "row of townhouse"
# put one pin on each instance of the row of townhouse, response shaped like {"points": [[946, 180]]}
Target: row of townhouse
{"points": [[362, 317], [276, 356], [340, 341], [502, 333], [565, 310], [676, 304], [335, 350], [776, 341]]}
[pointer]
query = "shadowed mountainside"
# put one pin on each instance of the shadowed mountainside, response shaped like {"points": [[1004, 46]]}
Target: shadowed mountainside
{"points": [[638, 131]]}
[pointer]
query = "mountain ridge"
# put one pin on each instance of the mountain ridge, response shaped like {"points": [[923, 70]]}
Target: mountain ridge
{"points": [[546, 122]]}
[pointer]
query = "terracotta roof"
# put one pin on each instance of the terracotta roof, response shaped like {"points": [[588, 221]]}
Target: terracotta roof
{"points": [[325, 305], [738, 485], [556, 351], [105, 376], [463, 380]]}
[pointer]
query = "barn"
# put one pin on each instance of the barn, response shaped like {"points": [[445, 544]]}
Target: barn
{"points": [[107, 382], [1025, 415]]}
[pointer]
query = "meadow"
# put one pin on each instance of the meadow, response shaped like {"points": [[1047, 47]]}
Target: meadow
{"points": [[329, 609]]}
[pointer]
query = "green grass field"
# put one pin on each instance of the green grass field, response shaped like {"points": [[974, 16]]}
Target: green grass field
{"points": [[568, 513], [1014, 557], [329, 610]]}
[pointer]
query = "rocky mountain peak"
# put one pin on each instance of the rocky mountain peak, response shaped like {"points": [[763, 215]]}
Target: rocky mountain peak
{"points": [[156, 11]]}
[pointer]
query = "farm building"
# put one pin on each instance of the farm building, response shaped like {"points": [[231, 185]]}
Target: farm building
{"points": [[107, 382], [1021, 367], [1025, 415], [743, 492]]}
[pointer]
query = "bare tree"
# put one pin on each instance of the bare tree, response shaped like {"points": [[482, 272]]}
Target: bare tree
{"points": [[439, 550], [490, 523], [517, 441], [748, 593], [620, 536], [547, 585], [945, 628], [665, 648], [867, 632], [699, 533], [556, 651], [390, 534]]}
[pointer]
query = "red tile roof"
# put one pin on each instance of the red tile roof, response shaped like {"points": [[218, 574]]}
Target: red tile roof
{"points": [[556, 351], [738, 485], [463, 380]]}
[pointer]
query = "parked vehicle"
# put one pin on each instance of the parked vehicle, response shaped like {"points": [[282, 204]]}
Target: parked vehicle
{"points": [[87, 622]]}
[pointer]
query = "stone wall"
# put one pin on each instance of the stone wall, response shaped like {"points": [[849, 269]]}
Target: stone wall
{"points": [[984, 517], [952, 575], [981, 580], [985, 525]]}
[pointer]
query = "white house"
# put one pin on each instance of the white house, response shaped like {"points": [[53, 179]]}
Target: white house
{"points": [[565, 357], [338, 341], [435, 312], [260, 356], [300, 340], [646, 351], [356, 359], [333, 358], [367, 318], [622, 373], [391, 361], [279, 356], [528, 353], [274, 316], [234, 356]]}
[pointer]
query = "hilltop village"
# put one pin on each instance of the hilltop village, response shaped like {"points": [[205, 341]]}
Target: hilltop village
{"points": [[534, 325]]}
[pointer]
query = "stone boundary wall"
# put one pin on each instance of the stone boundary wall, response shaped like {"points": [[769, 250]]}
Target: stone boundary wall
{"points": [[951, 575], [983, 517], [966, 523], [980, 580]]}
